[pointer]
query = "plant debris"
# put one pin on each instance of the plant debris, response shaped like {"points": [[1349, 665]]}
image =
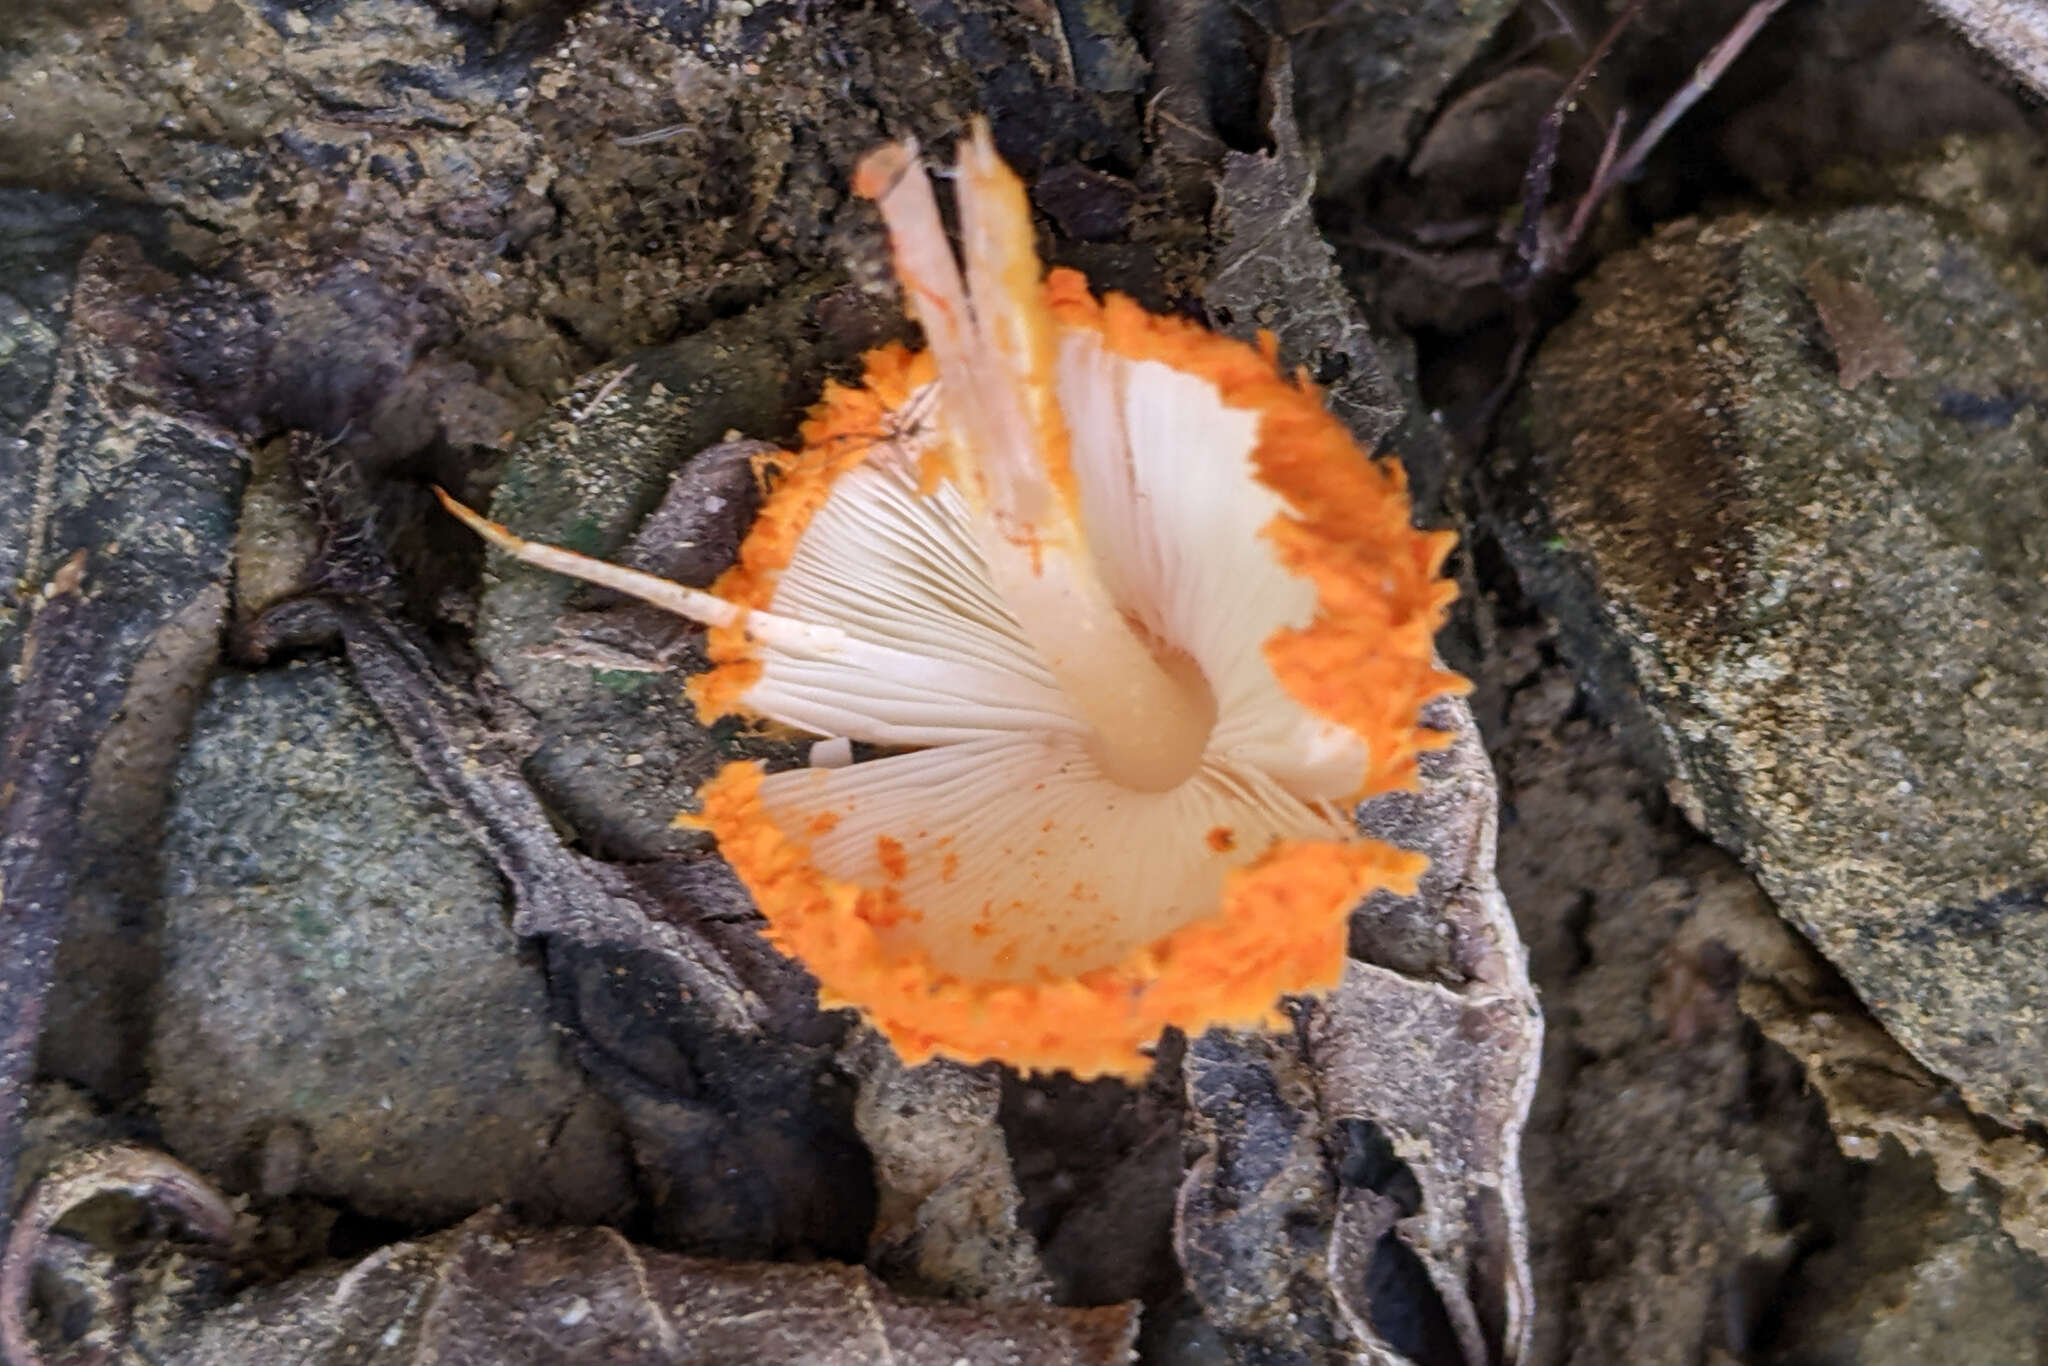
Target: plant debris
{"points": [[1360, 1192], [1865, 344], [493, 1293]]}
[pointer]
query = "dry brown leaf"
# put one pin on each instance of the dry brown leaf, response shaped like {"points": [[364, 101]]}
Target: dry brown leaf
{"points": [[114, 508], [1865, 344], [493, 1293], [1360, 1199]]}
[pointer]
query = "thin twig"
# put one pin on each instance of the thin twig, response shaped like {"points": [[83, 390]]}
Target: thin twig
{"points": [[1528, 264], [1701, 81], [1590, 201], [1565, 24], [1497, 397], [673, 130], [611, 386]]}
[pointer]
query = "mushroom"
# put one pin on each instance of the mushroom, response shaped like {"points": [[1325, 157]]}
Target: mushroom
{"points": [[1135, 624]]}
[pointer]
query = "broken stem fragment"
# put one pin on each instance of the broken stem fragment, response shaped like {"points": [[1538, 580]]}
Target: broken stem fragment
{"points": [[693, 604], [992, 338]]}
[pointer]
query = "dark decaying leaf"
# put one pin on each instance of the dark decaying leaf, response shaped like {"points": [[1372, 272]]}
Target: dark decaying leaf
{"points": [[1360, 1199], [133, 498], [946, 1221], [558, 892], [159, 1182], [1274, 270], [490, 1291], [709, 1042], [948, 1218], [1253, 1225], [51, 726]]}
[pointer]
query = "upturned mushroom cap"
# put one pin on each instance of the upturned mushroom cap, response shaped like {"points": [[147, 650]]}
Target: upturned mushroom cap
{"points": [[1138, 624]]}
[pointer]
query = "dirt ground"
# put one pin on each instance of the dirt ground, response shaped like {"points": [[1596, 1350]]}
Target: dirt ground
{"points": [[271, 268]]}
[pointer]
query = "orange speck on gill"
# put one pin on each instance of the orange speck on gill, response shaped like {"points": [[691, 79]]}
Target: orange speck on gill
{"points": [[889, 853], [1279, 928]]}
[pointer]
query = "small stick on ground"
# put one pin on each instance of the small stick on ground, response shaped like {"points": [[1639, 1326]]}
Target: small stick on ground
{"points": [[673, 130], [1698, 84], [1588, 201], [1614, 170], [1565, 24], [612, 385], [1529, 262]]}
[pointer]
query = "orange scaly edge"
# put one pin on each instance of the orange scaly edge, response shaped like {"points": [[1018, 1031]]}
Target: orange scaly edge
{"points": [[1280, 930], [1366, 662]]}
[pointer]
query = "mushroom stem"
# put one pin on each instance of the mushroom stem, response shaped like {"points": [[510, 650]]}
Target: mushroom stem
{"points": [[694, 604], [992, 339]]}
